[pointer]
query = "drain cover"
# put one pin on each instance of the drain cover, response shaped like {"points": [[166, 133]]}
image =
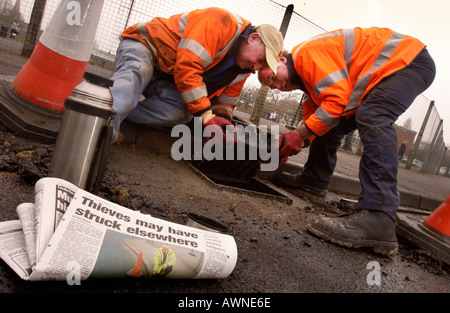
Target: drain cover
{"points": [[238, 173]]}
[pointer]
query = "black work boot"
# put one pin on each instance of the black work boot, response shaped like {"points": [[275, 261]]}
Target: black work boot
{"points": [[363, 228], [296, 181]]}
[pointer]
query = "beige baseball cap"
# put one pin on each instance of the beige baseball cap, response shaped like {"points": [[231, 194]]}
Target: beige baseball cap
{"points": [[273, 40]]}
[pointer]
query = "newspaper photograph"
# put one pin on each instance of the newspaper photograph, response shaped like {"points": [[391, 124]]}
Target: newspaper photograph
{"points": [[94, 238]]}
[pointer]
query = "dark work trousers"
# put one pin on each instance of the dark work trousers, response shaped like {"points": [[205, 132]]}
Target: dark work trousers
{"points": [[374, 120]]}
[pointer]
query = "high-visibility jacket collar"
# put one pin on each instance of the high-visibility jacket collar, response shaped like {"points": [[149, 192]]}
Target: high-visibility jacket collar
{"points": [[226, 70]]}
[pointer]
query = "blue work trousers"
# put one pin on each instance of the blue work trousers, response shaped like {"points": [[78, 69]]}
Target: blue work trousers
{"points": [[135, 74], [374, 120]]}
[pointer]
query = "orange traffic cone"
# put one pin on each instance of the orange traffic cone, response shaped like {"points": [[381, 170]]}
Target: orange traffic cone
{"points": [[48, 78], [54, 69], [439, 220], [136, 271]]}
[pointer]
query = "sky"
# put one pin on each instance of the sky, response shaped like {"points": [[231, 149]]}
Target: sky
{"points": [[428, 21]]}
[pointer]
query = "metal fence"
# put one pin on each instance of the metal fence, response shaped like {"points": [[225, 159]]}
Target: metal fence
{"points": [[420, 127]]}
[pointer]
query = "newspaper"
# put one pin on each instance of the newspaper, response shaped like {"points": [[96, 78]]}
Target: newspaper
{"points": [[70, 234]]}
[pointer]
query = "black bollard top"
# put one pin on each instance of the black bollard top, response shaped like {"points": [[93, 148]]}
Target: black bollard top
{"points": [[98, 80]]}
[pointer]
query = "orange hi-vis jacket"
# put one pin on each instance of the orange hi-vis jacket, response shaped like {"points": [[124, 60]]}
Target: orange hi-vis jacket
{"points": [[339, 68], [187, 45]]}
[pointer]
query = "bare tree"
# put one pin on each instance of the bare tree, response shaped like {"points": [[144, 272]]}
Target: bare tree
{"points": [[247, 96]]}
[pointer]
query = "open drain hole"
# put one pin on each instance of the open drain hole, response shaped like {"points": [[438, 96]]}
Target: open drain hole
{"points": [[238, 172], [253, 186]]}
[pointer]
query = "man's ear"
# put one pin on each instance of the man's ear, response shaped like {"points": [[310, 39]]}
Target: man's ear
{"points": [[253, 37]]}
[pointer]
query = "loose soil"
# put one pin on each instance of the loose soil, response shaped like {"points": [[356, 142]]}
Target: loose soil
{"points": [[275, 252]]}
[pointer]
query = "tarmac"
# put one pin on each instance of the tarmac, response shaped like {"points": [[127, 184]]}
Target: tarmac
{"points": [[417, 190], [420, 194]]}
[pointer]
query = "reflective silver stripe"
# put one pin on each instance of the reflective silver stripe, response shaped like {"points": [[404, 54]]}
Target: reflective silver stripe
{"points": [[228, 100], [349, 37], [327, 35], [381, 59], [326, 118], [194, 94], [349, 44], [144, 34], [236, 35], [238, 79], [224, 107], [182, 24], [197, 49], [335, 77], [330, 80]]}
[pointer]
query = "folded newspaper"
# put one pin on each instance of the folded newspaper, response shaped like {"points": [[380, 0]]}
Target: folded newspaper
{"points": [[70, 234]]}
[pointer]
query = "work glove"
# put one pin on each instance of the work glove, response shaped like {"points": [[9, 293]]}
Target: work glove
{"points": [[210, 119], [289, 143], [217, 120]]}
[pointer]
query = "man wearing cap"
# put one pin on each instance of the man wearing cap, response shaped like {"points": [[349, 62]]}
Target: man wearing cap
{"points": [[190, 64], [357, 78]]}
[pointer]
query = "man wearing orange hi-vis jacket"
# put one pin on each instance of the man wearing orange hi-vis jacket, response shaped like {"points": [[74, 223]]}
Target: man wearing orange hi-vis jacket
{"points": [[190, 64], [364, 79]]}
